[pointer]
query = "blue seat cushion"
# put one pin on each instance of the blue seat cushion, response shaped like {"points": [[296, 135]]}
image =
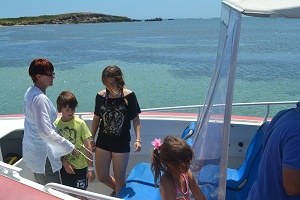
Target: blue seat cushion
{"points": [[237, 178], [140, 184], [209, 174], [139, 191], [141, 173]]}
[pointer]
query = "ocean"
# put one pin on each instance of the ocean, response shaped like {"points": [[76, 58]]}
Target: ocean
{"points": [[166, 63]]}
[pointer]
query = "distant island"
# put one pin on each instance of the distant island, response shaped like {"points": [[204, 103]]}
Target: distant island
{"points": [[70, 18], [155, 19]]}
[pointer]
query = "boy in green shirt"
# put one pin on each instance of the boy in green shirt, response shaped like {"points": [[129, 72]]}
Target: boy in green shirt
{"points": [[77, 169]]}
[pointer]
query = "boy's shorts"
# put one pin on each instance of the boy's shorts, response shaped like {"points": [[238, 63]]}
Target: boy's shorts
{"points": [[77, 180]]}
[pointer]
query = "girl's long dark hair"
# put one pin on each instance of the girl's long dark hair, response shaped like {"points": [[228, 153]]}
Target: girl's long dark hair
{"points": [[172, 151], [115, 72]]}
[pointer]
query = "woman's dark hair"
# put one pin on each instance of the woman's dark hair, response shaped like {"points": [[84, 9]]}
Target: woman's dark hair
{"points": [[172, 151], [66, 98], [39, 66]]}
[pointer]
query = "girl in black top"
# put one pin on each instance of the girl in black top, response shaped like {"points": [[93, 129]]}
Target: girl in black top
{"points": [[115, 108]]}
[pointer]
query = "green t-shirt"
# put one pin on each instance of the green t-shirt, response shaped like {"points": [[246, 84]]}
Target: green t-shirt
{"points": [[75, 131]]}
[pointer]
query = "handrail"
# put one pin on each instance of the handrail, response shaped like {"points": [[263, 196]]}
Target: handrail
{"points": [[199, 107], [219, 105], [76, 191], [9, 169]]}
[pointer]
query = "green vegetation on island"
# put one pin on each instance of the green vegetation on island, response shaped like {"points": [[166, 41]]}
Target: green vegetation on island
{"points": [[70, 18]]}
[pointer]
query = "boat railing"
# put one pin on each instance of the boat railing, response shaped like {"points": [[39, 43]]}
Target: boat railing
{"points": [[199, 108], [83, 193], [267, 105], [196, 109], [12, 172], [8, 170]]}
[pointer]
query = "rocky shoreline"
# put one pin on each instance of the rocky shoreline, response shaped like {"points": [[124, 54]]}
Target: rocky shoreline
{"points": [[71, 18]]}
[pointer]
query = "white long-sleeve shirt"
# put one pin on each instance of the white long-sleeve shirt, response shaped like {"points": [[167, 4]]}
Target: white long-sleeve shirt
{"points": [[41, 139]]}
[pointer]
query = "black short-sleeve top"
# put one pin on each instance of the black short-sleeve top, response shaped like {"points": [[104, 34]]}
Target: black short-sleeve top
{"points": [[115, 116]]}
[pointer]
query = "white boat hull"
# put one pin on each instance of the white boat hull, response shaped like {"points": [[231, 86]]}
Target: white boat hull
{"points": [[154, 125]]}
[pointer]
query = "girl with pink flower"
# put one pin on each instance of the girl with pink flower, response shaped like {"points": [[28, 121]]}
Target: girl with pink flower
{"points": [[170, 165]]}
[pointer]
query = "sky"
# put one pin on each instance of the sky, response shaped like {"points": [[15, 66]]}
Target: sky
{"points": [[134, 9]]}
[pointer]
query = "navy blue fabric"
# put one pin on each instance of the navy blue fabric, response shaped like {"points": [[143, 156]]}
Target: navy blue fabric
{"points": [[281, 149]]}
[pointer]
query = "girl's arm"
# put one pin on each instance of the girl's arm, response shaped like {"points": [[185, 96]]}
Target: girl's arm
{"points": [[95, 124], [195, 188], [137, 130], [91, 172], [167, 189]]}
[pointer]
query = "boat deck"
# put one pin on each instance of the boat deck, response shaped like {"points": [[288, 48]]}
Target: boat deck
{"points": [[12, 190]]}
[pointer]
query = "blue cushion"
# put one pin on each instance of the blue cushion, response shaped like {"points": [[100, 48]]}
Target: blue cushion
{"points": [[140, 184], [236, 177], [209, 174], [141, 173], [246, 174], [210, 192], [139, 191]]}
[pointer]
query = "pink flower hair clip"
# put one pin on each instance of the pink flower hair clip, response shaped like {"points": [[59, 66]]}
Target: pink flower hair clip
{"points": [[156, 143]]}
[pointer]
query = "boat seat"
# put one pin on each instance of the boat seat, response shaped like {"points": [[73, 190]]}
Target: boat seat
{"points": [[140, 181], [239, 181], [141, 173], [188, 132], [140, 184], [138, 191]]}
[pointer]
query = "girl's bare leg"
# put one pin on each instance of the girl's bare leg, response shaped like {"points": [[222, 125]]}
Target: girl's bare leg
{"points": [[102, 164], [120, 162]]}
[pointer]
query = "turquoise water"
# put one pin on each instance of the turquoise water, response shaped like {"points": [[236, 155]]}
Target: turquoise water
{"points": [[167, 63]]}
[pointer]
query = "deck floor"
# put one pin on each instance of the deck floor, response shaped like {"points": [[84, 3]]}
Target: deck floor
{"points": [[12, 190]]}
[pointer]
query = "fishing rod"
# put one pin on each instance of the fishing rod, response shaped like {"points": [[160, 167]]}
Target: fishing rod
{"points": [[69, 135]]}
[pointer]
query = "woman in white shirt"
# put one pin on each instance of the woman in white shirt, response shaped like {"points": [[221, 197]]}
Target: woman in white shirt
{"points": [[42, 145]]}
